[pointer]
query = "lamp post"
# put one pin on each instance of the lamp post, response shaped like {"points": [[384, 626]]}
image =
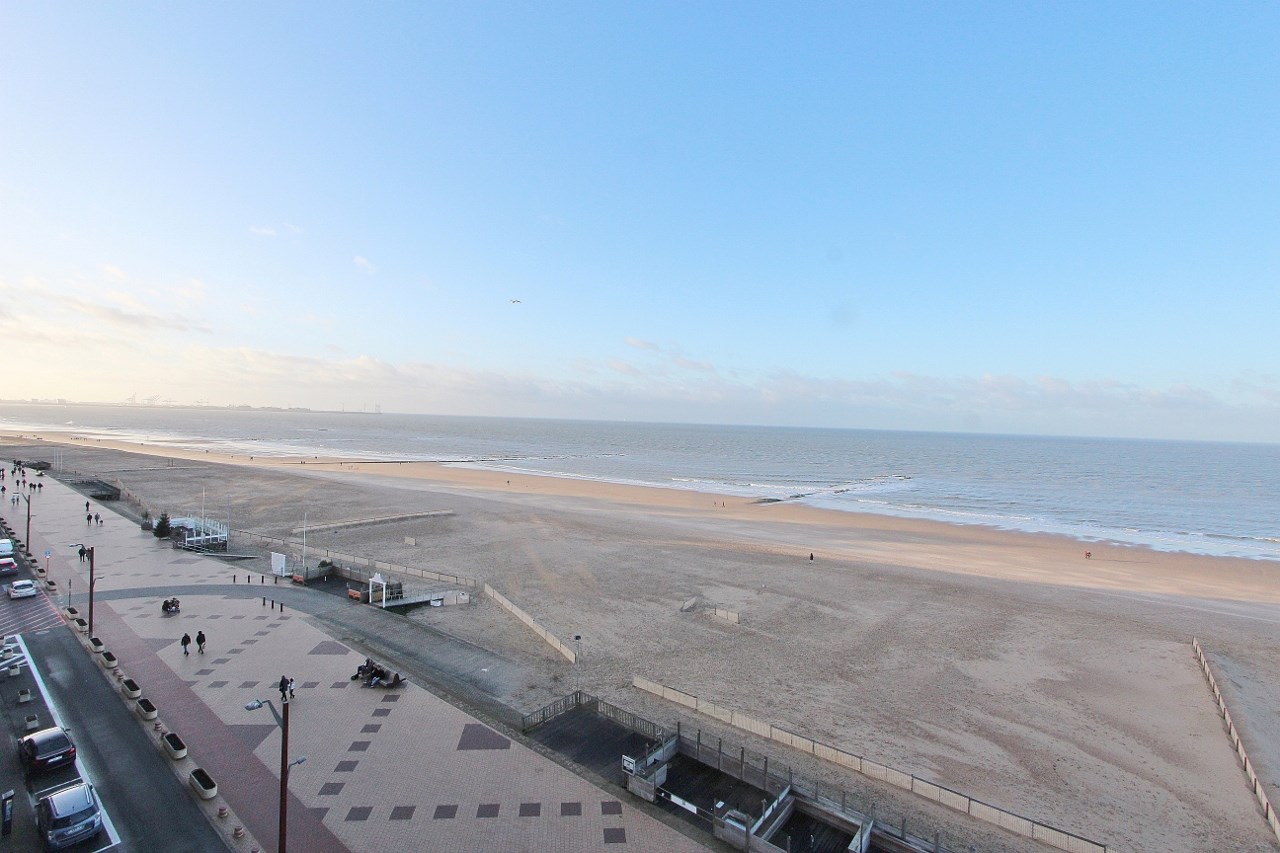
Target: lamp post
{"points": [[92, 581], [285, 764], [27, 541]]}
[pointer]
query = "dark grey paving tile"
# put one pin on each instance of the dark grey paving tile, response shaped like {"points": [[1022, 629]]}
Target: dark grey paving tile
{"points": [[403, 812], [359, 813], [530, 809], [234, 651], [217, 684], [331, 789], [359, 746], [248, 684], [370, 728], [261, 633], [445, 813], [382, 712], [204, 672], [615, 835], [570, 809], [241, 616], [339, 685], [248, 642], [345, 766], [393, 697], [222, 660], [477, 736], [487, 810], [328, 647], [610, 807], [307, 685]]}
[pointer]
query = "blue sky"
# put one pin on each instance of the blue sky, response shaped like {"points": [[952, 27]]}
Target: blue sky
{"points": [[1007, 217]]}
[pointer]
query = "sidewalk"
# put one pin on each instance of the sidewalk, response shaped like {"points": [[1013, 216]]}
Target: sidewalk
{"points": [[385, 770]]}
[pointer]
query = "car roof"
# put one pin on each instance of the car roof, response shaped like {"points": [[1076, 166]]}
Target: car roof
{"points": [[71, 800], [24, 583], [52, 736]]}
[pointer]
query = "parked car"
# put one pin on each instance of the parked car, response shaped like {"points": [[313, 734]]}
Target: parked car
{"points": [[51, 747], [8, 565], [22, 589], [69, 816], [6, 547]]}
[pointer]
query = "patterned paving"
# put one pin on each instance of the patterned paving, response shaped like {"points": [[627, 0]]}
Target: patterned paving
{"points": [[399, 770]]}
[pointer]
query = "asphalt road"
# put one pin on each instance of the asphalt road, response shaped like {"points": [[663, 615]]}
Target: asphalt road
{"points": [[148, 807]]}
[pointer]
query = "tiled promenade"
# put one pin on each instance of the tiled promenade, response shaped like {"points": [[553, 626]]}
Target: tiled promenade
{"points": [[386, 770]]}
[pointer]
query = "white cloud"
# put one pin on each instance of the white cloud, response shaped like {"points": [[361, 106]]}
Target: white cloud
{"points": [[364, 263], [114, 272], [262, 230]]}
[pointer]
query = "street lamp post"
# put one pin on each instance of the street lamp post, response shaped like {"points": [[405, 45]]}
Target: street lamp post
{"points": [[92, 581], [285, 764], [27, 498]]}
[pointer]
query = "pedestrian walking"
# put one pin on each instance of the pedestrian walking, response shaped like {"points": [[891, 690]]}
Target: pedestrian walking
{"points": [[186, 641], [88, 519], [82, 553], [290, 688], [97, 518], [86, 506], [284, 688], [200, 641]]}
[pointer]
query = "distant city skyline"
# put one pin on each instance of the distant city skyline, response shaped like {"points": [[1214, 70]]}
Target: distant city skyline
{"points": [[1049, 219]]}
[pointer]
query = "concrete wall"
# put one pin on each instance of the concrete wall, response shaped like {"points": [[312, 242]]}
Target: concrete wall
{"points": [[929, 790]]}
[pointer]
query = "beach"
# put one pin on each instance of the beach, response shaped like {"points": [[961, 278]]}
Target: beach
{"points": [[1007, 666]]}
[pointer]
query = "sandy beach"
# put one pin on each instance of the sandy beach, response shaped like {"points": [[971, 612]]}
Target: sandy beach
{"points": [[1006, 666]]}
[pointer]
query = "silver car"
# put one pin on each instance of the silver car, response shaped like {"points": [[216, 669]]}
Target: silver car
{"points": [[68, 816]]}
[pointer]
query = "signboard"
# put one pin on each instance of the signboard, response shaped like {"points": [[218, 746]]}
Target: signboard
{"points": [[628, 764], [279, 564]]}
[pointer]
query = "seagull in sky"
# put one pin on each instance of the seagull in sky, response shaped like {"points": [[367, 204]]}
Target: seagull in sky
{"points": [[515, 301]]}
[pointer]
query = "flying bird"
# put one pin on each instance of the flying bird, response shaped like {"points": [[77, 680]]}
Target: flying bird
{"points": [[515, 301]]}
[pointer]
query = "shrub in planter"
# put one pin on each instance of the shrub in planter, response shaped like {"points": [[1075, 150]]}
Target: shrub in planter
{"points": [[146, 710], [97, 645], [81, 625], [108, 660], [130, 689]]}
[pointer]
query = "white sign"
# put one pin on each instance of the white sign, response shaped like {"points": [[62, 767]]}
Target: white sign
{"points": [[279, 564]]}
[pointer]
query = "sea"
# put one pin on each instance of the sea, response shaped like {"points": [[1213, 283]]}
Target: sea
{"points": [[1209, 498]]}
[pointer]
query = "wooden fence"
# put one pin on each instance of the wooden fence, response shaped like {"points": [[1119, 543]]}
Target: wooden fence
{"points": [[976, 808], [546, 635], [1255, 783]]}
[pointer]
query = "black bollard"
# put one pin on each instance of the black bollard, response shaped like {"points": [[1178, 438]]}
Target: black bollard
{"points": [[273, 604], [264, 601], [233, 578], [262, 578]]}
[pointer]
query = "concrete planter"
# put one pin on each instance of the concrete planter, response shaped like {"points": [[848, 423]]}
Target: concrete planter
{"points": [[24, 696], [72, 612], [97, 646], [130, 689], [81, 625], [174, 746], [108, 660], [146, 710], [203, 784], [33, 722], [15, 670], [51, 583]]}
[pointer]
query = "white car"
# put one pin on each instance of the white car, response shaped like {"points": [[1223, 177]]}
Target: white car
{"points": [[22, 589]]}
